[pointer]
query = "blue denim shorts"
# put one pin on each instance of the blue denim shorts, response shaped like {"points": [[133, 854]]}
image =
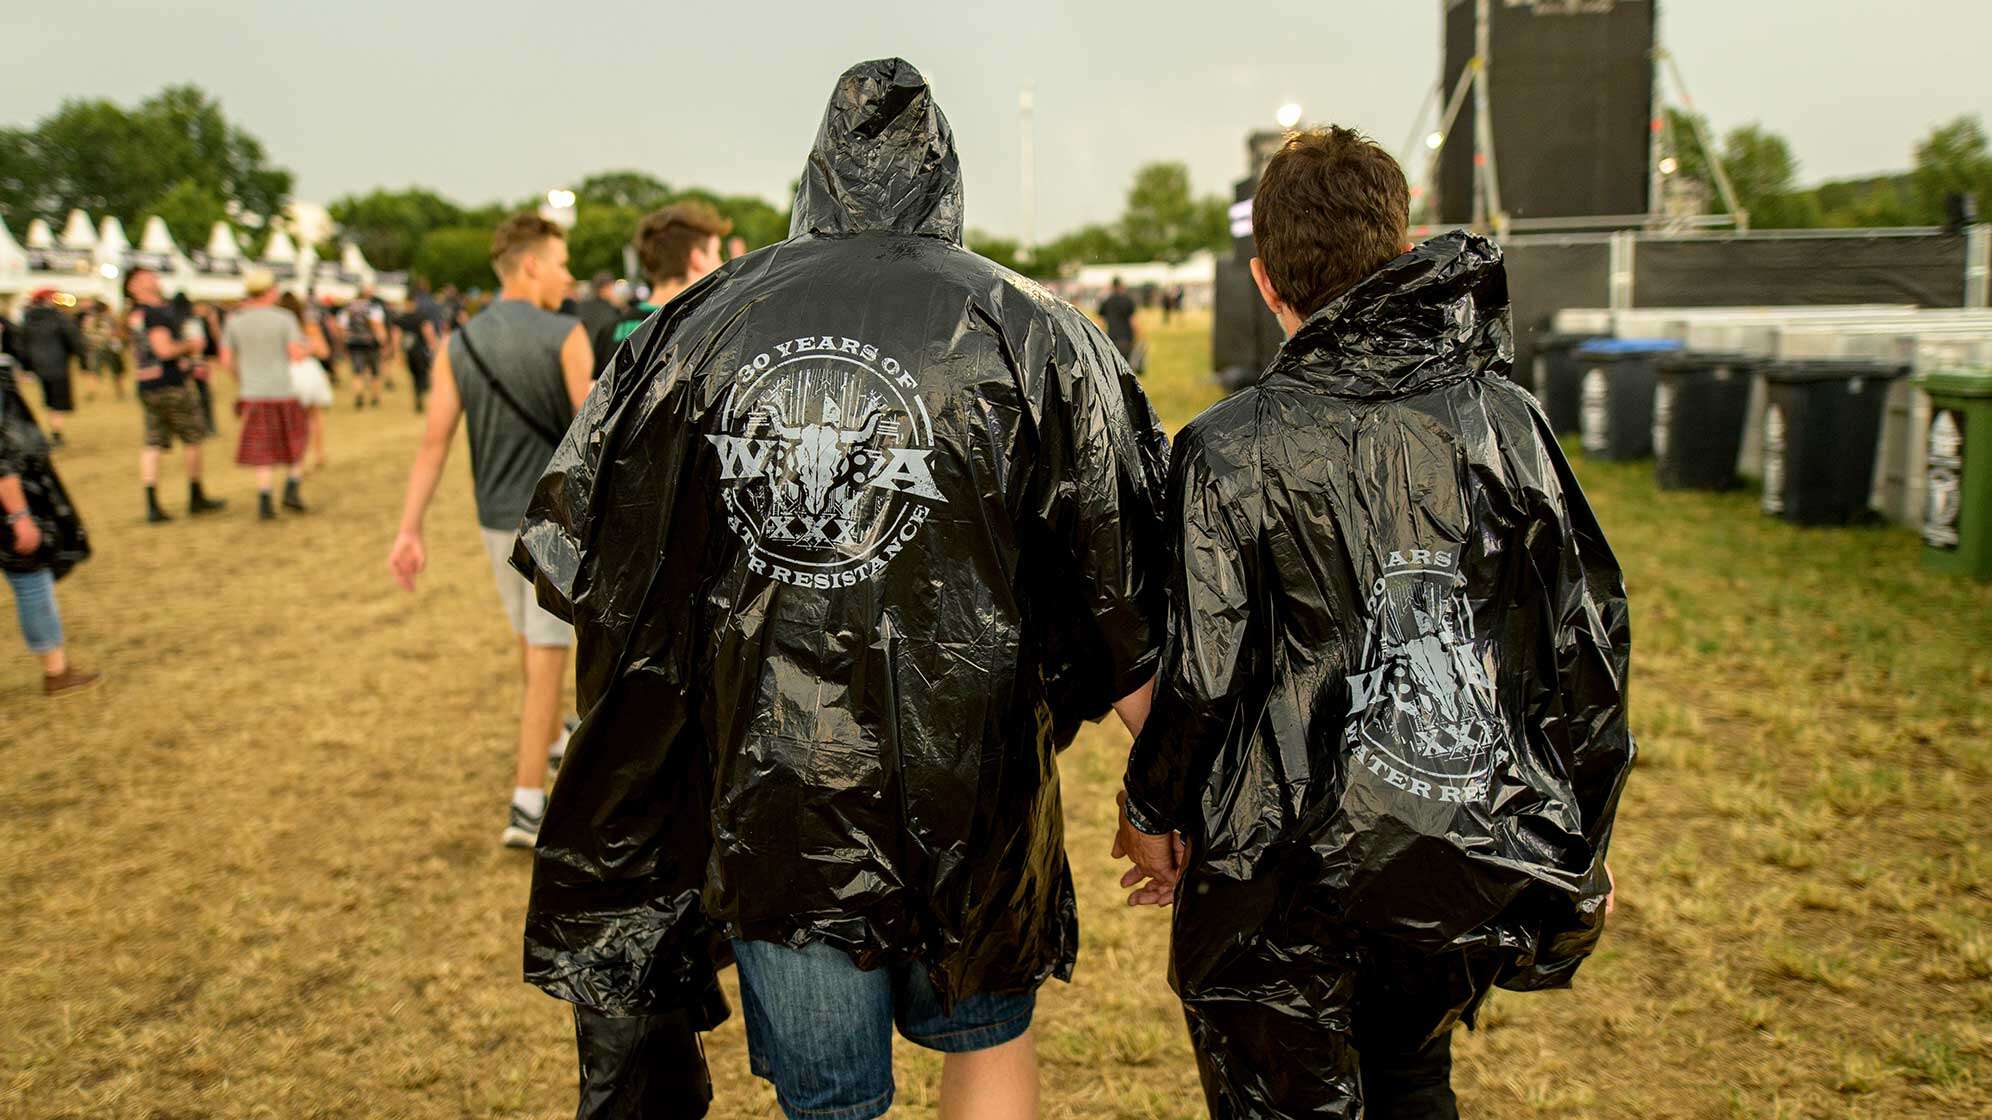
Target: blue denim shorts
{"points": [[820, 1029]]}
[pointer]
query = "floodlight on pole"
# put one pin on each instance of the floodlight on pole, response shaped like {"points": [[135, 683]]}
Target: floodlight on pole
{"points": [[1669, 165], [559, 207], [1435, 141], [108, 270], [1288, 115]]}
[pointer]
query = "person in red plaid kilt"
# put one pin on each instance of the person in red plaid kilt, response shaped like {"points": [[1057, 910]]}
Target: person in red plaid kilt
{"points": [[259, 344]]}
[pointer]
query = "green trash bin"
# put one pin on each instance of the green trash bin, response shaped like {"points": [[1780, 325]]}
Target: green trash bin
{"points": [[1957, 511]]}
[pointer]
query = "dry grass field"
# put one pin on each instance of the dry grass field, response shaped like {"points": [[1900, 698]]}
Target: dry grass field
{"points": [[257, 874]]}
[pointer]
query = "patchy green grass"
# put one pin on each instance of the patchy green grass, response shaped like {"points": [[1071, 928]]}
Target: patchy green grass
{"points": [[257, 874]]}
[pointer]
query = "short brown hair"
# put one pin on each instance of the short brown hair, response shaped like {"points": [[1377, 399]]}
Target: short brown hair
{"points": [[1332, 208], [665, 239], [517, 235]]}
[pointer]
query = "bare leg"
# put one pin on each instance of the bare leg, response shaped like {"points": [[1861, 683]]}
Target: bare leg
{"points": [[1000, 1083], [265, 478], [539, 715], [148, 466], [54, 662], [193, 462]]}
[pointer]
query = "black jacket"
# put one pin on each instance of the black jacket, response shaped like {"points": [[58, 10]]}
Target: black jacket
{"points": [[852, 533], [24, 453], [49, 338], [1391, 714]]}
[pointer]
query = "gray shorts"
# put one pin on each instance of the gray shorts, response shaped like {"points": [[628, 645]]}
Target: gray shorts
{"points": [[515, 593]]}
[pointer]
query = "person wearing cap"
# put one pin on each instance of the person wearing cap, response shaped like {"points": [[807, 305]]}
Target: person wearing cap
{"points": [[258, 345], [49, 339]]}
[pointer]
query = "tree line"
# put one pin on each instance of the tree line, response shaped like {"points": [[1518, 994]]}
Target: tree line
{"points": [[1953, 159], [176, 155]]}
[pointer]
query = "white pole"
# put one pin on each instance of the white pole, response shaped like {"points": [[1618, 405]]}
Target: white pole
{"points": [[1027, 168]]}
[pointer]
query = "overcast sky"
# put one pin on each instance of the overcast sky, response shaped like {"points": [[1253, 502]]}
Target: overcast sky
{"points": [[502, 98]]}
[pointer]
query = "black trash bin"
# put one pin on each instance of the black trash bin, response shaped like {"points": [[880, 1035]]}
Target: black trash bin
{"points": [[1822, 425], [1616, 415], [1559, 380], [1701, 404]]}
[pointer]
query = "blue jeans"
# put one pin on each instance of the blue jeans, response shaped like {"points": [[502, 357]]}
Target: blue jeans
{"points": [[34, 601], [820, 1029]]}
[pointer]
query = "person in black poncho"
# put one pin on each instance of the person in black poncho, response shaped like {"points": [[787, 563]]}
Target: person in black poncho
{"points": [[1389, 726], [853, 532]]}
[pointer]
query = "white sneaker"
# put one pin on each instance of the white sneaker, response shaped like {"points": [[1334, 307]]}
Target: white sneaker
{"points": [[522, 829]]}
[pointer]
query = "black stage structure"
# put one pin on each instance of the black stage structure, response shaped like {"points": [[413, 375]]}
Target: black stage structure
{"points": [[1592, 65]]}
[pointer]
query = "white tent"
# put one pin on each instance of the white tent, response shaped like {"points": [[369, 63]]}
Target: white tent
{"points": [[38, 236], [281, 249], [13, 259], [79, 233], [111, 241], [156, 238], [222, 245]]}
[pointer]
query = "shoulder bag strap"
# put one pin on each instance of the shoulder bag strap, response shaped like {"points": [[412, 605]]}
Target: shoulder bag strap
{"points": [[532, 422]]}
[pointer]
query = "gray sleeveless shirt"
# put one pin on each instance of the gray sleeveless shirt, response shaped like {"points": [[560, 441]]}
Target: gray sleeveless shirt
{"points": [[520, 345]]}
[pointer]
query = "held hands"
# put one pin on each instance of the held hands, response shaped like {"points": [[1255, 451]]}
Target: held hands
{"points": [[1157, 859], [407, 559]]}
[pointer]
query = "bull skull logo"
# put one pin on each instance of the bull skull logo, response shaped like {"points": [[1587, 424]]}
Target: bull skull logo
{"points": [[810, 485]]}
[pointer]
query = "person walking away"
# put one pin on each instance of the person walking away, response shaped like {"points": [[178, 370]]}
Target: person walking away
{"points": [[104, 340], [259, 344], [599, 309], [309, 381], [50, 340], [1117, 315], [514, 375], [364, 327], [1389, 733], [41, 539], [171, 406], [855, 532], [676, 247], [419, 339]]}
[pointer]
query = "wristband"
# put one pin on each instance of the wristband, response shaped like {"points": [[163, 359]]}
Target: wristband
{"points": [[1142, 824], [19, 515]]}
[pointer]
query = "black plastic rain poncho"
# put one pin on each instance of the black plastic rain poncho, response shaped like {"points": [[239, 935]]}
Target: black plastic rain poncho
{"points": [[1391, 713], [850, 534]]}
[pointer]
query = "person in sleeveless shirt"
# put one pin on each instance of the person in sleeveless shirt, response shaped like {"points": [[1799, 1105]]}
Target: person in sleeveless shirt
{"points": [[515, 375]]}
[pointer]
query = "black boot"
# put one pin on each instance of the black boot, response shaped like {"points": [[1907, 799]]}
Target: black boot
{"points": [[293, 501], [153, 513], [266, 510], [198, 502]]}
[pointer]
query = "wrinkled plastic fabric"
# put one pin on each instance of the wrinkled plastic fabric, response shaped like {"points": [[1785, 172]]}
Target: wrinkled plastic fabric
{"points": [[1391, 710], [24, 453], [854, 533], [640, 1066]]}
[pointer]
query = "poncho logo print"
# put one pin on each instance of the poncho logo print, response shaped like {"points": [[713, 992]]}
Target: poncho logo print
{"points": [[1423, 714], [824, 452]]}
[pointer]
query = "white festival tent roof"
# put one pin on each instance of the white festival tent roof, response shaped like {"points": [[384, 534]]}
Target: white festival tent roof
{"points": [[156, 238], [77, 233], [98, 253], [111, 240]]}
